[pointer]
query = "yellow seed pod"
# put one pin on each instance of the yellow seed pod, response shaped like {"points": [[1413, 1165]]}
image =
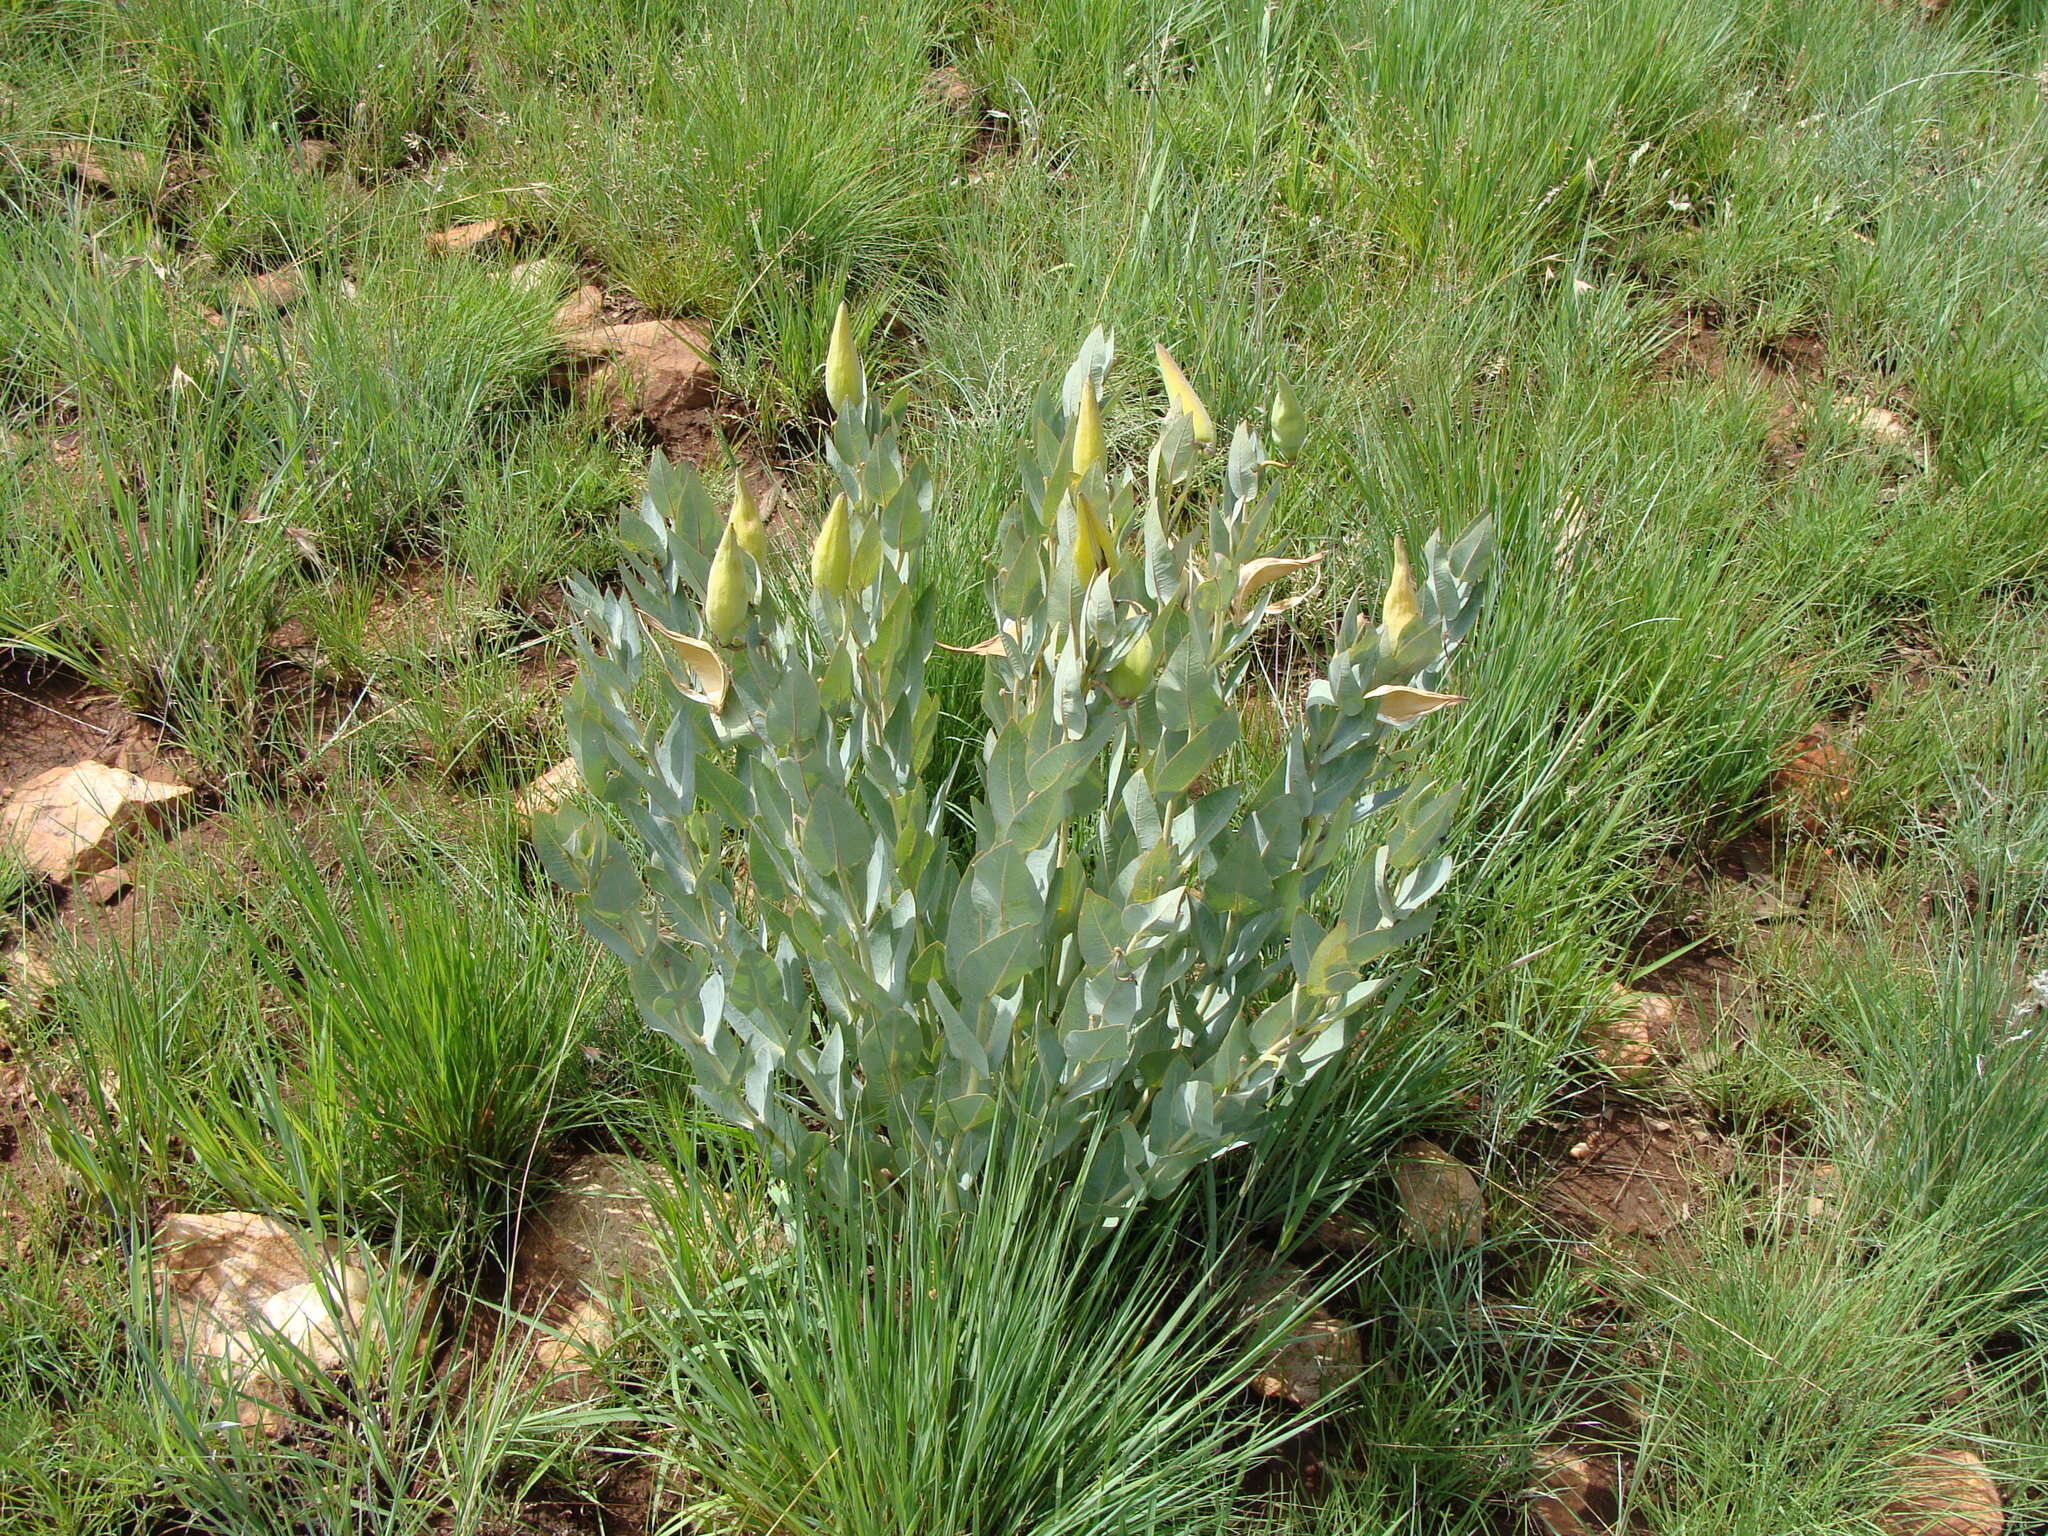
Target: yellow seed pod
{"points": [[1088, 450], [1400, 608], [725, 594], [1185, 401], [1290, 427], [832, 553], [1093, 547], [1129, 677], [842, 364], [745, 519]]}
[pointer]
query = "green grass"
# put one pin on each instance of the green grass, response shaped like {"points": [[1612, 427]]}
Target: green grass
{"points": [[320, 551]]}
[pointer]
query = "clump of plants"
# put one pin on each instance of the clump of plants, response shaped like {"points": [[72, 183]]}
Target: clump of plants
{"points": [[1113, 944]]}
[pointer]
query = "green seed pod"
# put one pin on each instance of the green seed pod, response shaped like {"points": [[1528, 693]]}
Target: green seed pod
{"points": [[746, 522], [843, 384], [832, 553], [1400, 608], [725, 594], [1088, 450], [1133, 673], [1290, 427]]}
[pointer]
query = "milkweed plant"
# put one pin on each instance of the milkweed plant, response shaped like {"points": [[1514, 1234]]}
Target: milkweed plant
{"points": [[1133, 951]]}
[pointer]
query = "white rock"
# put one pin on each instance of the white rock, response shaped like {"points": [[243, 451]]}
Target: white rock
{"points": [[71, 821], [258, 1302]]}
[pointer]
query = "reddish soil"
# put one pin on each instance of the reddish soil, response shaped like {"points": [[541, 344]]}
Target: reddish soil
{"points": [[1630, 1178], [49, 720]]}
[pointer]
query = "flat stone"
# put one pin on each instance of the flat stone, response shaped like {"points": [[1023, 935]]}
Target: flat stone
{"points": [[658, 371], [1344, 1234], [1315, 1355], [28, 975], [1441, 1202], [549, 791], [268, 290], [250, 1299], [596, 1240], [1814, 781], [72, 821], [954, 92], [589, 1244], [1886, 428], [1573, 1495], [467, 239], [104, 167], [1626, 1042], [1943, 1493], [582, 310], [104, 888]]}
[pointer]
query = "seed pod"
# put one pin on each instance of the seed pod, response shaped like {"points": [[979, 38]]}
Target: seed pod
{"points": [[1130, 676], [843, 382], [1290, 427], [1400, 608], [745, 519], [1185, 400], [1088, 450], [1093, 547], [832, 553], [725, 594]]}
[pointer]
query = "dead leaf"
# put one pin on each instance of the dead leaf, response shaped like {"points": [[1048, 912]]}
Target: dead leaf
{"points": [[1399, 705], [1009, 638], [1268, 569], [708, 681]]}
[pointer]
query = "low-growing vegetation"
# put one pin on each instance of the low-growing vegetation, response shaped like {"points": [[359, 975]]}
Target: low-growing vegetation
{"points": [[662, 869]]}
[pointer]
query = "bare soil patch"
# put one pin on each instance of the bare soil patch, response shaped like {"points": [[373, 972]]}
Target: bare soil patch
{"points": [[50, 719]]}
